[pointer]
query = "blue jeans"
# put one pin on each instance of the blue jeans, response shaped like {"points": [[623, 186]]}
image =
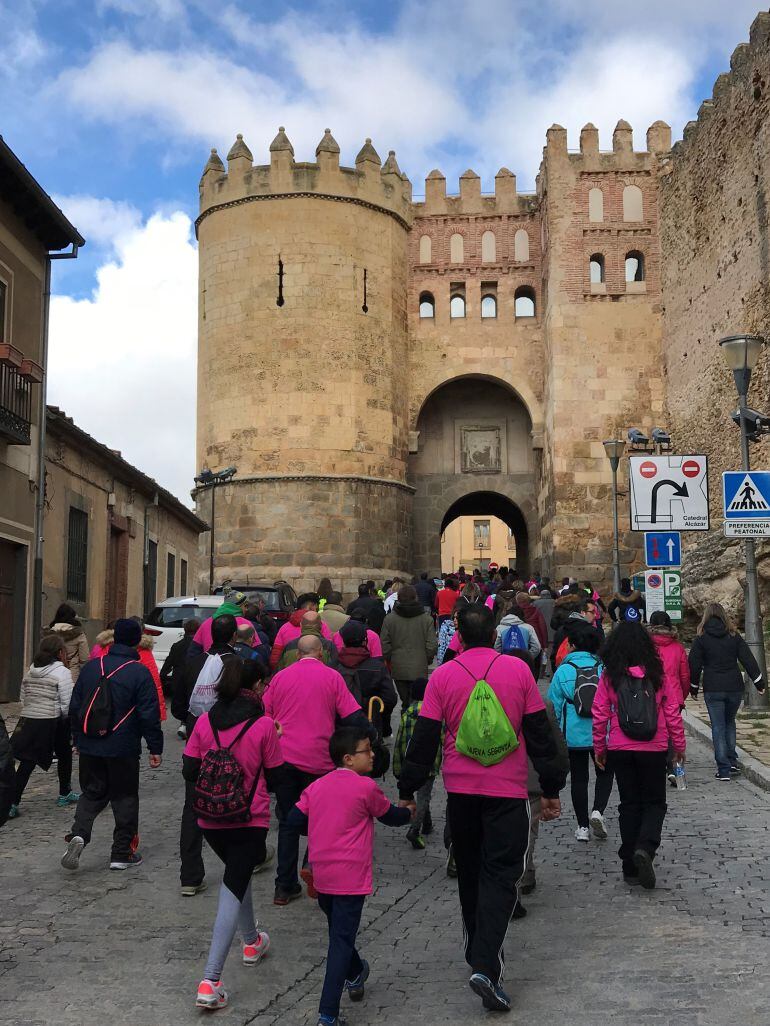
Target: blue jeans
{"points": [[723, 707], [343, 913]]}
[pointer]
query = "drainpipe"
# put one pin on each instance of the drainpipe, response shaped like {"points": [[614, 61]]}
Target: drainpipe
{"points": [[37, 580]]}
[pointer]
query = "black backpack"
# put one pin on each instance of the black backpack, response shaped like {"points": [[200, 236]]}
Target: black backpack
{"points": [[96, 711], [350, 675], [637, 708], [586, 684]]}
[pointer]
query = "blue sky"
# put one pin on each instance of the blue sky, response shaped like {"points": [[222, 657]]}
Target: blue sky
{"points": [[113, 105]]}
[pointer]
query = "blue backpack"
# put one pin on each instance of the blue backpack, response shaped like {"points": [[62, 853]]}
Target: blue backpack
{"points": [[514, 640]]}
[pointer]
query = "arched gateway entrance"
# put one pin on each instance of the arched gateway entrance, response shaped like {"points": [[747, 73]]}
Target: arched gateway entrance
{"points": [[474, 457]]}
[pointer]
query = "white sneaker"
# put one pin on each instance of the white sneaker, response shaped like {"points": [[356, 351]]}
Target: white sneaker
{"points": [[211, 995], [253, 953], [582, 834], [598, 825], [71, 857]]}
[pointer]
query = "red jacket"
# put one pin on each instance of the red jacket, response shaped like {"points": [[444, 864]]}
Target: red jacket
{"points": [[446, 600], [534, 617], [674, 658]]}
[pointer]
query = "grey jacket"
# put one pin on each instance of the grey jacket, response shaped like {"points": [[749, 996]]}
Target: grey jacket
{"points": [[409, 640]]}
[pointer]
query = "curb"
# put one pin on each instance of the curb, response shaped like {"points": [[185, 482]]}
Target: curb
{"points": [[752, 769]]}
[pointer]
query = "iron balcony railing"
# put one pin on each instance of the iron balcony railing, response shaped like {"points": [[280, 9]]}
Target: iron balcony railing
{"points": [[15, 405]]}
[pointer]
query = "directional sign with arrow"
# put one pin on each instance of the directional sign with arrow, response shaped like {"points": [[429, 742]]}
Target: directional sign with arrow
{"points": [[669, 493], [663, 548]]}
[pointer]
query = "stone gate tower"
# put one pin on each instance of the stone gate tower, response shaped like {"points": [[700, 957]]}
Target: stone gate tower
{"points": [[302, 362]]}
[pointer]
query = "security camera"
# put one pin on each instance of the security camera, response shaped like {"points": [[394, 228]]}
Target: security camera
{"points": [[661, 437], [757, 424], [637, 438]]}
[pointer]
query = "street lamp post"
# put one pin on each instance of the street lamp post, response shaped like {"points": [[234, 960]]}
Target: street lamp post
{"points": [[208, 478], [615, 447], [741, 353]]}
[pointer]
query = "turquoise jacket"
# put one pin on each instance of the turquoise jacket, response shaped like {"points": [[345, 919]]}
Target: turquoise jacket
{"points": [[577, 730]]}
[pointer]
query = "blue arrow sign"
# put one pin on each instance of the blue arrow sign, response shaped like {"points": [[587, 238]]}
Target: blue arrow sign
{"points": [[663, 548], [746, 495]]}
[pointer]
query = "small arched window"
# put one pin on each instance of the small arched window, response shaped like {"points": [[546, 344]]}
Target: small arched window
{"points": [[596, 269], [595, 205], [521, 245], [427, 305], [456, 248], [457, 307], [488, 248], [633, 207], [488, 306], [425, 249], [524, 301], [634, 266]]}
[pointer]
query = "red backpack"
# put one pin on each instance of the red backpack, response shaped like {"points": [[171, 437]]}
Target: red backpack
{"points": [[219, 790]]}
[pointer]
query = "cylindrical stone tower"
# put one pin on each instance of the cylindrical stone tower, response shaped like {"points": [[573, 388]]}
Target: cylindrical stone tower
{"points": [[302, 364]]}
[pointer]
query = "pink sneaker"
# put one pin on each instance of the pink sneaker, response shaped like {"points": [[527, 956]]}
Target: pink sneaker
{"points": [[253, 953], [211, 995]]}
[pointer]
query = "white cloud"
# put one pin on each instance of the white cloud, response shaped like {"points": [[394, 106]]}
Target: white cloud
{"points": [[122, 363], [102, 222]]}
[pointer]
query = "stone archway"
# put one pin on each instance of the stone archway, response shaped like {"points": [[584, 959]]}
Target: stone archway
{"points": [[473, 450], [493, 504]]}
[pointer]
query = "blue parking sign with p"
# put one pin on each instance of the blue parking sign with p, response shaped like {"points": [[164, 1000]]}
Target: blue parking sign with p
{"points": [[663, 548]]}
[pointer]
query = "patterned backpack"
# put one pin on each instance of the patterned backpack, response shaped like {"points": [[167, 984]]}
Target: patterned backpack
{"points": [[220, 794]]}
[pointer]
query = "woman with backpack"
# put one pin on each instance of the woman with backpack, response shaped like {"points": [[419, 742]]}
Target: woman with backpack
{"points": [[232, 748], [572, 693], [635, 713], [673, 655], [718, 653]]}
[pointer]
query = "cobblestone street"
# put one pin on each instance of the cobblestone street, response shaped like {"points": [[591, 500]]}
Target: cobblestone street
{"points": [[125, 949]]}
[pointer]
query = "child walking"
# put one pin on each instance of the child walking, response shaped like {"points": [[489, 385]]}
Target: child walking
{"points": [[338, 812], [423, 822]]}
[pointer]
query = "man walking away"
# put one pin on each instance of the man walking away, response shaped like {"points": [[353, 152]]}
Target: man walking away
{"points": [[333, 614], [292, 629], [109, 764], [487, 805], [173, 668], [426, 592], [408, 641]]}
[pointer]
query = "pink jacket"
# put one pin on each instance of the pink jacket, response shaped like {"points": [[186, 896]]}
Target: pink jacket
{"points": [[607, 732], [373, 643], [674, 658], [203, 634]]}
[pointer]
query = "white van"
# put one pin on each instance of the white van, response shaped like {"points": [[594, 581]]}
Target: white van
{"points": [[165, 624]]}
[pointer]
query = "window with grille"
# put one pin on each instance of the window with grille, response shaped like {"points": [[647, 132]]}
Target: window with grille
{"points": [[182, 576], [77, 555], [170, 574]]}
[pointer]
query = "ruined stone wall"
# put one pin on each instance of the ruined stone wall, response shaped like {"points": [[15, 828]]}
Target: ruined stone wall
{"points": [[716, 282]]}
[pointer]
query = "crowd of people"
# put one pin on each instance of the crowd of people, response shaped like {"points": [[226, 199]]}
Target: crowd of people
{"points": [[506, 687]]}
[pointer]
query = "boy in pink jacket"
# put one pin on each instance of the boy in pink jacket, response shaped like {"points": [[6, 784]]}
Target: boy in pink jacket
{"points": [[635, 713], [676, 667]]}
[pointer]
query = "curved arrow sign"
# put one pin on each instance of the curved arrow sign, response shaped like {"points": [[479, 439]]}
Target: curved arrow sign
{"points": [[668, 493]]}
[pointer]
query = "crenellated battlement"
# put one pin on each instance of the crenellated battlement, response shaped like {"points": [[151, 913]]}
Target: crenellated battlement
{"points": [[470, 200], [622, 156], [375, 183]]}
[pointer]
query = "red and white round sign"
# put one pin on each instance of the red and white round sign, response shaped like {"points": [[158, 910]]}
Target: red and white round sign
{"points": [[691, 468], [648, 469]]}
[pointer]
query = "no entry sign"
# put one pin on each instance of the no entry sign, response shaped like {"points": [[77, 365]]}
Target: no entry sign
{"points": [[669, 493]]}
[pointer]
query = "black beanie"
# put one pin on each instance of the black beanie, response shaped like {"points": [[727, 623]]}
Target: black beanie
{"points": [[128, 632], [353, 634]]}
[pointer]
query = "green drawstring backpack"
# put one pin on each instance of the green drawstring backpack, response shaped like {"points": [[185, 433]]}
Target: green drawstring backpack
{"points": [[485, 732]]}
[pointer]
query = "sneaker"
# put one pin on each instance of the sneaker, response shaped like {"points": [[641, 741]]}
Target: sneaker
{"points": [[582, 834], [722, 776], [427, 824], [190, 890], [492, 996], [253, 953], [269, 858], [451, 868], [282, 897], [355, 988], [329, 1020], [529, 888], [307, 875], [182, 733], [632, 879], [598, 825], [67, 799], [645, 869], [71, 858], [519, 912], [735, 769], [13, 812], [415, 838], [671, 777], [133, 860], [211, 995]]}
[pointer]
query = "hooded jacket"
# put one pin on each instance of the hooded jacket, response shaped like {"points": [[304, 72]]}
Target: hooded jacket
{"points": [[511, 620], [102, 643], [577, 730], [674, 658], [716, 654], [146, 658], [74, 641], [372, 675], [408, 640], [46, 692], [290, 631], [334, 617], [621, 602], [606, 729], [534, 618]]}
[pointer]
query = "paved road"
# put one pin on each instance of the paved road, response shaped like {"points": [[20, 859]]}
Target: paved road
{"points": [[101, 948]]}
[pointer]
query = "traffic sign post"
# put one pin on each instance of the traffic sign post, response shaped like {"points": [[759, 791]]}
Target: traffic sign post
{"points": [[746, 503], [669, 493], [663, 593], [663, 548]]}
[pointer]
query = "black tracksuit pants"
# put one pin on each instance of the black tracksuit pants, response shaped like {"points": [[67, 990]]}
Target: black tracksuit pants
{"points": [[109, 781], [641, 778], [489, 840]]}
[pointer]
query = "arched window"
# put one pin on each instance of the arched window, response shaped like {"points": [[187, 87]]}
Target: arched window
{"points": [[456, 249], [457, 307], [425, 249], [427, 305], [524, 301], [634, 266], [521, 245], [596, 269], [488, 306], [633, 208], [595, 205], [488, 248]]}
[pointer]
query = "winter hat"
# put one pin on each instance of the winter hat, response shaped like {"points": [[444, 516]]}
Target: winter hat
{"points": [[353, 634], [128, 632]]}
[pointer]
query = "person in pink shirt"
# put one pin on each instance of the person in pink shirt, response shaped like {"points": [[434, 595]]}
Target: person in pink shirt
{"points": [[487, 806], [673, 655], [307, 699], [373, 642], [338, 813], [237, 722], [292, 629], [632, 666]]}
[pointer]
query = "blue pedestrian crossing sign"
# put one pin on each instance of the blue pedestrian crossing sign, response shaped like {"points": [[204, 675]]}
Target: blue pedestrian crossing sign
{"points": [[663, 548], [746, 495]]}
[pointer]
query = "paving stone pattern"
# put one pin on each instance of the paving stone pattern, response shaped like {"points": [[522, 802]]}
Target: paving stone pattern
{"points": [[125, 949]]}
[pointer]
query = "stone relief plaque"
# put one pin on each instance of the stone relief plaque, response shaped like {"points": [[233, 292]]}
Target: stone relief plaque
{"points": [[480, 450]]}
